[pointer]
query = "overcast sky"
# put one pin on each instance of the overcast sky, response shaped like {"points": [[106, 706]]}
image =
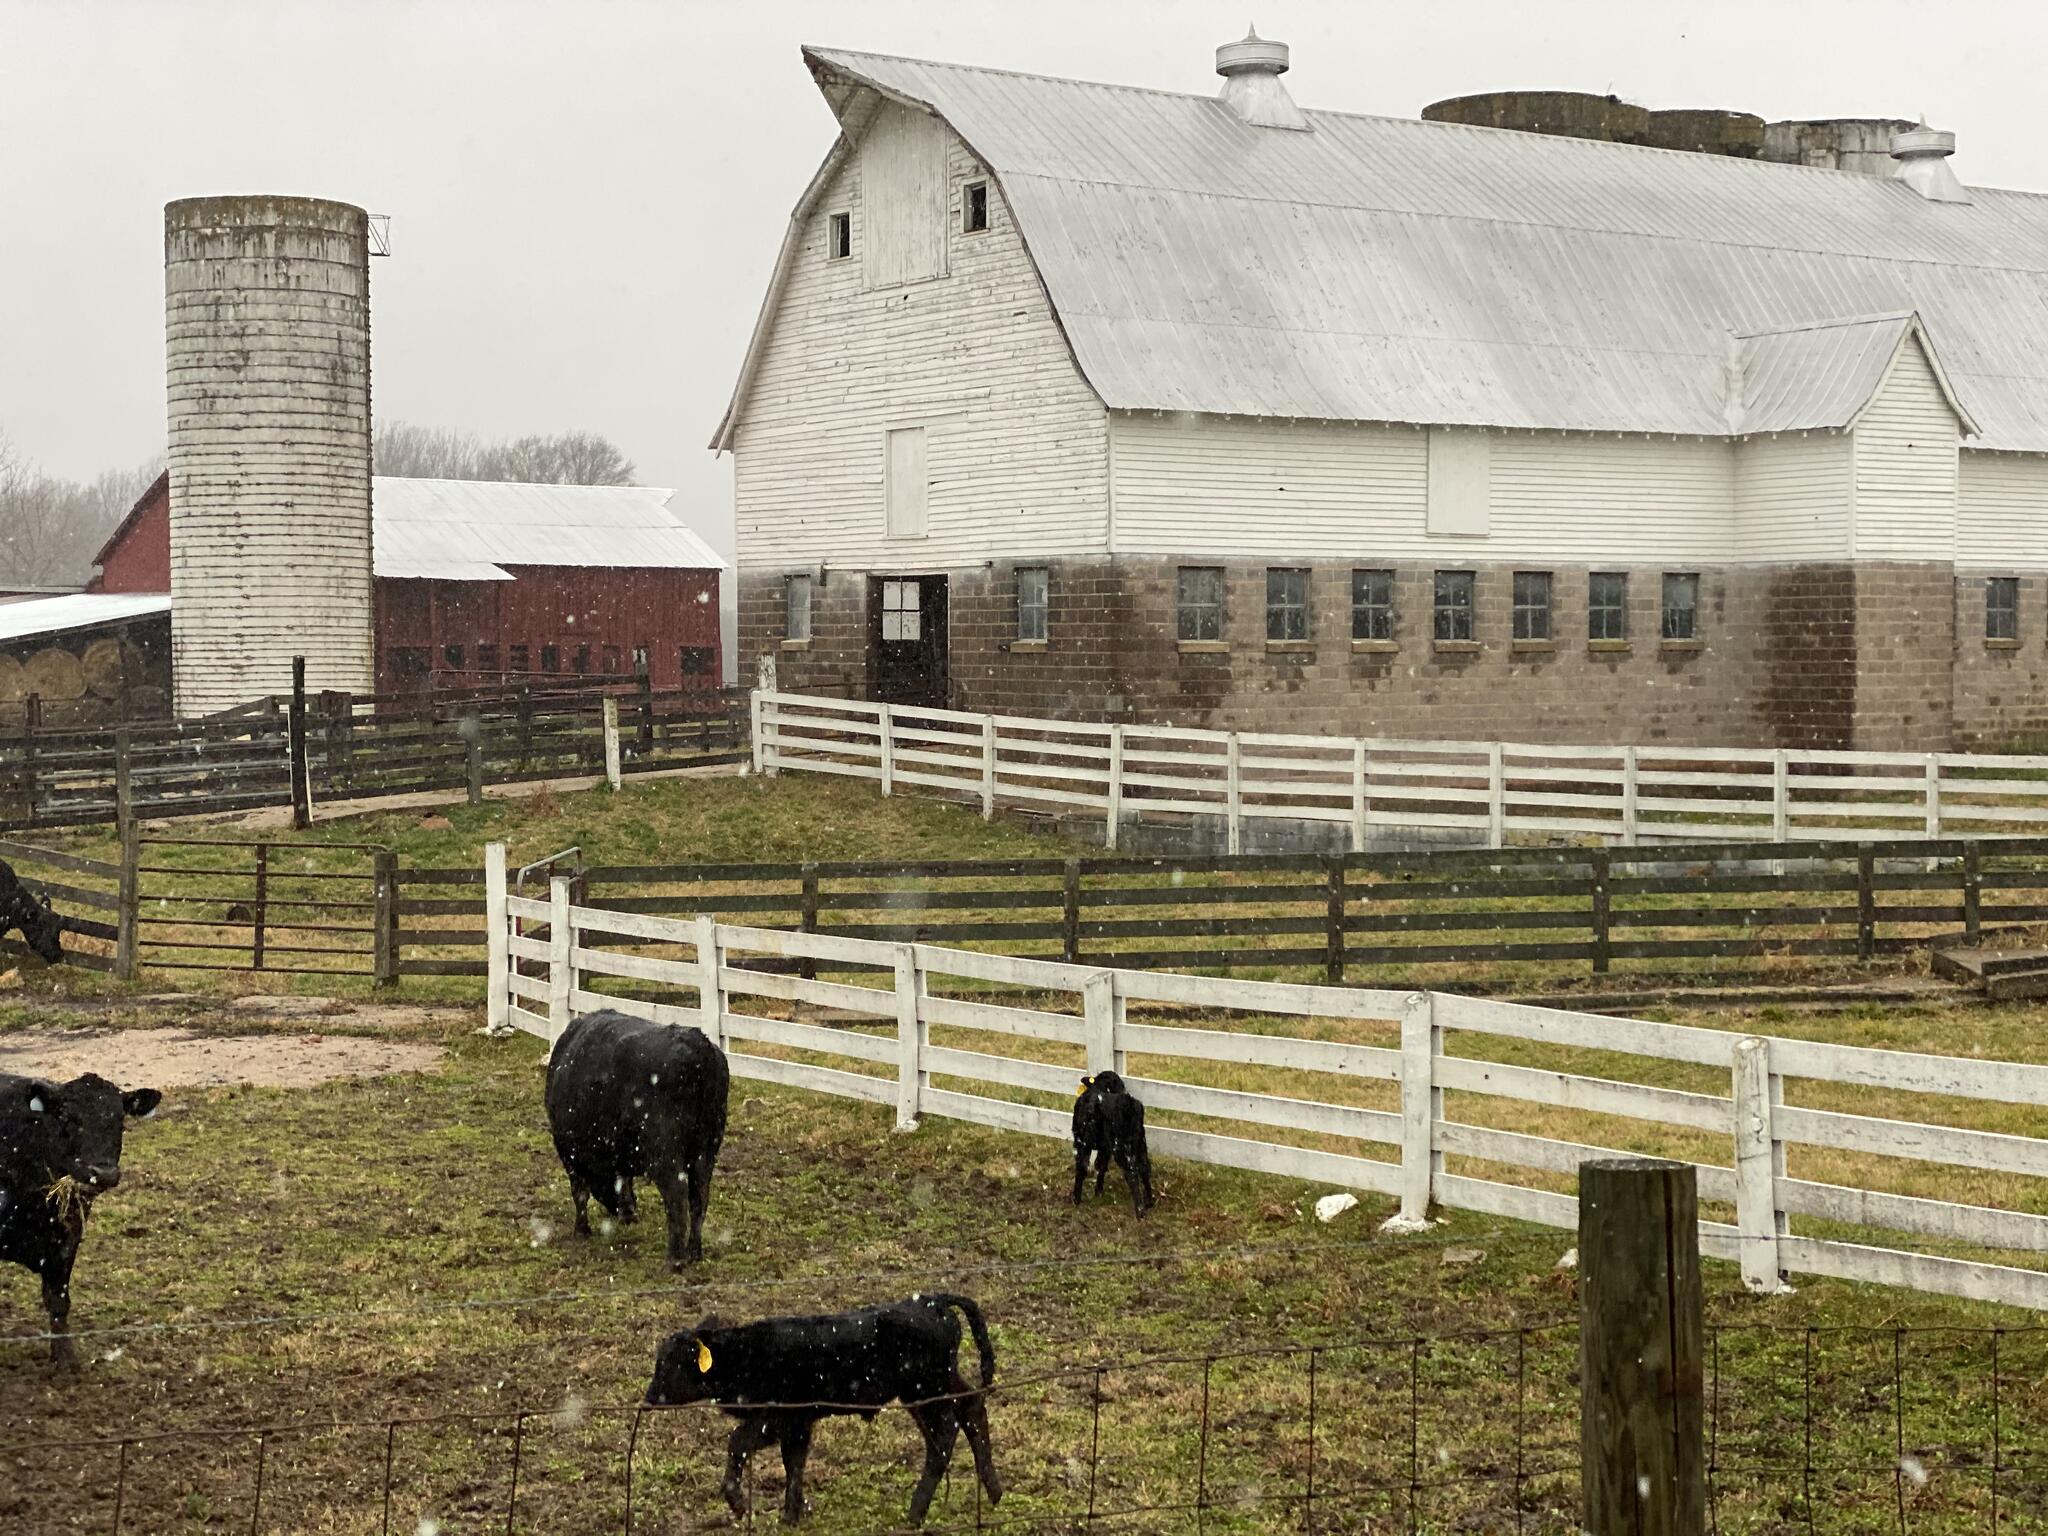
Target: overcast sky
{"points": [[586, 199]]}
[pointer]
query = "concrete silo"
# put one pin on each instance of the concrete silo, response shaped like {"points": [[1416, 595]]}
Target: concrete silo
{"points": [[267, 327]]}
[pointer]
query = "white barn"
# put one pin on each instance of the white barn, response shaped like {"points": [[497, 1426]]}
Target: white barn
{"points": [[1086, 400]]}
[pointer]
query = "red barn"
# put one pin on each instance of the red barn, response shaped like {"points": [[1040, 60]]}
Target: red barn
{"points": [[478, 581]]}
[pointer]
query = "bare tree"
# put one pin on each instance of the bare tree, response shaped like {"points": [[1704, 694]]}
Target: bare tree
{"points": [[562, 458], [50, 527]]}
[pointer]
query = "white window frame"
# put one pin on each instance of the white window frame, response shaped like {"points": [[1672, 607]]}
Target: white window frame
{"points": [[1039, 632], [797, 598]]}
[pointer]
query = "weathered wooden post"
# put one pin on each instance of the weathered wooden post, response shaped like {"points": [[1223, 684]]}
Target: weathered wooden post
{"points": [[1333, 935], [128, 912], [1973, 893], [260, 908], [471, 730], [31, 718], [561, 953], [1422, 1106], [498, 943], [1070, 914], [807, 919], [1603, 909], [645, 684], [295, 747], [611, 742], [384, 866], [1642, 1467], [1866, 903], [910, 984]]}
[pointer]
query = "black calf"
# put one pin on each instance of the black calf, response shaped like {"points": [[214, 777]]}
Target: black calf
{"points": [[1110, 1124], [41, 928], [780, 1376]]}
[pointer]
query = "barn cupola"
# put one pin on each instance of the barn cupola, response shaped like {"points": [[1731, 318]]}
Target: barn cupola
{"points": [[1251, 71], [1922, 154]]}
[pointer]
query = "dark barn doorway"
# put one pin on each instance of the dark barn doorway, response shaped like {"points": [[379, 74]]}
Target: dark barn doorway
{"points": [[907, 640]]}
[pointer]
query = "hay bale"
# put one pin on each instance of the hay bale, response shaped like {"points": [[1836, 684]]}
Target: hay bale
{"points": [[11, 691], [102, 664], [53, 674]]}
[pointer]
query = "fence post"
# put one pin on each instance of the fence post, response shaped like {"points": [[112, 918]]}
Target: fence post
{"points": [[498, 943], [1333, 942], [1973, 893], [1866, 902], [1233, 796], [646, 732], [888, 729], [384, 965], [1098, 1004], [1603, 901], [128, 917], [1358, 801], [611, 742], [710, 985], [1781, 797], [756, 737], [1759, 1164], [1421, 1108], [1642, 1467], [561, 946], [260, 908], [1933, 794], [1114, 816], [471, 730], [1631, 774], [1070, 914], [1496, 798], [807, 921], [909, 1037], [295, 747], [988, 768], [31, 718]]}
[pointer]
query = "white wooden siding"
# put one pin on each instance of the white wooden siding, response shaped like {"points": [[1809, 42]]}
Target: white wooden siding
{"points": [[1905, 451], [1460, 482], [908, 483], [1017, 442], [2002, 511], [903, 169], [1792, 494]]}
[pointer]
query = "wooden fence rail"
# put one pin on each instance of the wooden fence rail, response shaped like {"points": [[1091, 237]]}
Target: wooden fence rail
{"points": [[1335, 916], [1390, 1090], [1474, 792]]}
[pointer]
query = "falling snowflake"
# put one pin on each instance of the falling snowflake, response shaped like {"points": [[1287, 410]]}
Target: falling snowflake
{"points": [[428, 1526], [540, 1234], [572, 1412], [1916, 1474]]}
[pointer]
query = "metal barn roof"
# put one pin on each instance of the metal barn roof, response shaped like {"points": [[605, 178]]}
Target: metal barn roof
{"points": [[1813, 376], [1386, 269], [33, 616], [468, 530]]}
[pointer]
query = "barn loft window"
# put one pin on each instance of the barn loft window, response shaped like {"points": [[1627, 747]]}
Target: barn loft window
{"points": [[1034, 587], [1532, 605], [2002, 608], [1200, 602], [611, 661], [451, 657], [550, 658], [1286, 604], [974, 208], [486, 656], [1681, 605], [1454, 605], [581, 665], [519, 660], [1372, 605], [639, 661], [904, 492], [838, 236], [796, 608], [1607, 605]]}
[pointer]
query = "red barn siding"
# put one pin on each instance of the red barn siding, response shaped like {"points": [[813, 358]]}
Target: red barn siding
{"points": [[138, 556]]}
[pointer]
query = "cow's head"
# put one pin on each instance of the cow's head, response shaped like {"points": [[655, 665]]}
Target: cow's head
{"points": [[72, 1131], [683, 1366], [39, 925]]}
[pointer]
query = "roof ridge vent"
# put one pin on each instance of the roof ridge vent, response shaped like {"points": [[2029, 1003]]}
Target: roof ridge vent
{"points": [[1922, 154], [1251, 69]]}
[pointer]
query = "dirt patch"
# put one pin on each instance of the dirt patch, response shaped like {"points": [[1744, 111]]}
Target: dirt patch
{"points": [[179, 1058]]}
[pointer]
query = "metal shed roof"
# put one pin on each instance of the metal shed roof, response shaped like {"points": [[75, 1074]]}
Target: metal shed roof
{"points": [[1385, 269], [34, 616], [1824, 375], [469, 530]]}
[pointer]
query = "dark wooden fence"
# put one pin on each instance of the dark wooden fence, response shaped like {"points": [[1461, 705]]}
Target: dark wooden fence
{"points": [[1342, 917], [337, 746]]}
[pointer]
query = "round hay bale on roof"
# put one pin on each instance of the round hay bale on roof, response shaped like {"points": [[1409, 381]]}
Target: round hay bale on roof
{"points": [[53, 674]]}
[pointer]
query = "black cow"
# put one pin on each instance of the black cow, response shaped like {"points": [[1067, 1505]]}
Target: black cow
{"points": [[628, 1099], [60, 1149], [1109, 1123], [780, 1376], [41, 928]]}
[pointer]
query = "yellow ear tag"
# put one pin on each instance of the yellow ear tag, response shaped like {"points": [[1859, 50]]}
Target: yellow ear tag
{"points": [[703, 1359], [1082, 1089]]}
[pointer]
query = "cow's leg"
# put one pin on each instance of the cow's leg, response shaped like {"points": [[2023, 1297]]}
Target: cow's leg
{"points": [[940, 1424], [1143, 1158], [629, 1207], [1080, 1169], [57, 1302], [1125, 1161], [972, 1407], [1101, 1167], [796, 1445], [676, 1203], [751, 1435], [700, 1201]]}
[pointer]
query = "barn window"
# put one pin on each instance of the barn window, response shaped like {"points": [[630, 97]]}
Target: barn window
{"points": [[1034, 586], [696, 660], [550, 658], [838, 236], [1372, 605], [451, 657], [486, 656], [611, 661], [1681, 605], [974, 208], [905, 484], [1200, 602], [796, 600], [1286, 604], [1532, 605], [581, 665], [902, 612], [1454, 605], [519, 660], [2002, 608], [639, 661], [1607, 605]]}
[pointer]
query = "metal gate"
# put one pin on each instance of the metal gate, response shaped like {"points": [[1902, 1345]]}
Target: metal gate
{"points": [[227, 904]]}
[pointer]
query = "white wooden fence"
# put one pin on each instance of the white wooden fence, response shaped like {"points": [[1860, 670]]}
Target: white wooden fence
{"points": [[548, 956], [1477, 791]]}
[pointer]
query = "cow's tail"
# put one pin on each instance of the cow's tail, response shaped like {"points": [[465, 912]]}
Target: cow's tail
{"points": [[966, 1307]]}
